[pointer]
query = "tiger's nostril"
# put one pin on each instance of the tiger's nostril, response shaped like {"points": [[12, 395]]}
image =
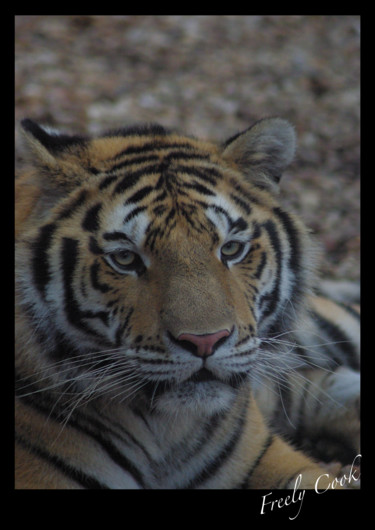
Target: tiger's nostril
{"points": [[203, 345]]}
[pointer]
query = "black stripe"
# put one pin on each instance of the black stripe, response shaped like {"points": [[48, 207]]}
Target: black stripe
{"points": [[260, 268], [153, 145], [91, 219], [134, 213], [107, 181], [293, 239], [239, 225], [175, 156], [89, 427], [208, 174], [191, 451], [94, 247], [299, 433], [169, 218], [172, 156], [70, 208], [140, 194], [269, 441], [116, 456], [93, 170], [199, 188], [219, 209], [86, 481], [130, 179], [69, 256], [96, 284], [23, 384], [301, 353], [241, 203], [116, 236], [159, 210], [273, 298], [216, 463], [133, 161], [153, 234], [122, 327], [351, 310], [41, 245], [69, 259], [39, 262], [341, 342], [252, 199]]}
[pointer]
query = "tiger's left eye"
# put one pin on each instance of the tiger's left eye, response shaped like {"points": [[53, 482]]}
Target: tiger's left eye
{"points": [[231, 250], [126, 261], [124, 258]]}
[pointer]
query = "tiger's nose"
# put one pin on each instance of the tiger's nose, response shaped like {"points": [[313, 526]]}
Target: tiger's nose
{"points": [[203, 345]]}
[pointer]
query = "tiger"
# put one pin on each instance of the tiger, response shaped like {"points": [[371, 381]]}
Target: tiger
{"points": [[169, 332]]}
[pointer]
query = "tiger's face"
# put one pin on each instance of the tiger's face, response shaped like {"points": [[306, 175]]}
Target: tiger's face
{"points": [[164, 265]]}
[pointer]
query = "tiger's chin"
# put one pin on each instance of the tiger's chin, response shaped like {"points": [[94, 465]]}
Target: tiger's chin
{"points": [[203, 399]]}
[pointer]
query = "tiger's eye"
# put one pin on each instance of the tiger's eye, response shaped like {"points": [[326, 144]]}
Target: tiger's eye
{"points": [[123, 258], [231, 249]]}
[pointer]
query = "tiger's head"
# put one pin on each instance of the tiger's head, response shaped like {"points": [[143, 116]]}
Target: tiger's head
{"points": [[155, 266]]}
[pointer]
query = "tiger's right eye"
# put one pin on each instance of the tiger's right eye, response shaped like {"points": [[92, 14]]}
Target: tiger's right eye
{"points": [[232, 249]]}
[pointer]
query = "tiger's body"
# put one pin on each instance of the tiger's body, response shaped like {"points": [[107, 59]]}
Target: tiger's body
{"points": [[165, 334]]}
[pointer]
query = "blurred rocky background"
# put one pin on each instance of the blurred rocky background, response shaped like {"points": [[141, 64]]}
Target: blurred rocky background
{"points": [[213, 76]]}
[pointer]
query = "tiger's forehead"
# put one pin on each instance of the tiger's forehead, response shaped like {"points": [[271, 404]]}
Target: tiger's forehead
{"points": [[148, 220], [173, 165], [113, 153], [155, 184]]}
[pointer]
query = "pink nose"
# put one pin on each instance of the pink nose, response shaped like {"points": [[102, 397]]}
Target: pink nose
{"points": [[204, 343]]}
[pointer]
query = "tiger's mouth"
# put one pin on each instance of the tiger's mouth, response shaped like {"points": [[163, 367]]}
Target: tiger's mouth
{"points": [[200, 377], [205, 375]]}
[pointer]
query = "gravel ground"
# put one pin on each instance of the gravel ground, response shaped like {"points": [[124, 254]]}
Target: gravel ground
{"points": [[213, 76]]}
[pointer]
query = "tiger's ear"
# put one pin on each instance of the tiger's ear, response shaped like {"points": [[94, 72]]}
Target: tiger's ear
{"points": [[263, 151], [56, 155]]}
